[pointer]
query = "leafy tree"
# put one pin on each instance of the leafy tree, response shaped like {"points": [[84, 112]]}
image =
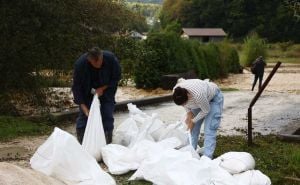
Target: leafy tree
{"points": [[271, 19], [42, 38]]}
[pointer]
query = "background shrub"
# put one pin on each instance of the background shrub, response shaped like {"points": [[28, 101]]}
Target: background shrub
{"points": [[166, 53], [254, 46]]}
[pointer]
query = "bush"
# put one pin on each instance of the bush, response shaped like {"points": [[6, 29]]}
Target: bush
{"points": [[254, 46], [166, 53], [229, 59], [147, 71], [128, 50]]}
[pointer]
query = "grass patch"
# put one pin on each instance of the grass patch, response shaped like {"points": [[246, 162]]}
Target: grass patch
{"points": [[12, 127], [275, 158], [123, 180], [285, 53], [229, 89]]}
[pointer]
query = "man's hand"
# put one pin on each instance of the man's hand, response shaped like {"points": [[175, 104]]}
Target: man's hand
{"points": [[189, 120], [101, 90], [84, 109]]}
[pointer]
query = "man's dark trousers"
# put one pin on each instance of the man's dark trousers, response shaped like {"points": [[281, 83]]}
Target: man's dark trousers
{"points": [[257, 77], [107, 109]]}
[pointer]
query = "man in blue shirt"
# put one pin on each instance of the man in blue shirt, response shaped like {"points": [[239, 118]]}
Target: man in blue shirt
{"points": [[96, 72]]}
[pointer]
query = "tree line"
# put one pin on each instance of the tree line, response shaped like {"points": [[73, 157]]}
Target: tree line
{"points": [[271, 19]]}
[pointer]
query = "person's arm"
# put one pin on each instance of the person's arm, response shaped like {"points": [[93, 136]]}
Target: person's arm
{"points": [[77, 85], [77, 89], [203, 103], [115, 78]]}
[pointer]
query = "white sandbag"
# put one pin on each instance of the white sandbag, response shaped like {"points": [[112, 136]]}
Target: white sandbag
{"points": [[126, 132], [143, 132], [176, 130], [134, 110], [113, 158], [121, 160], [173, 167], [236, 162], [94, 137], [190, 149], [157, 128], [252, 177], [140, 126], [62, 157]]}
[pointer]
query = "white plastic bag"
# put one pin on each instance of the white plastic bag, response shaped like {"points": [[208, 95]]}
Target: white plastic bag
{"points": [[143, 132], [120, 159], [176, 130], [62, 157], [236, 162], [113, 158], [252, 177], [173, 167], [94, 137], [134, 110], [126, 132], [190, 149]]}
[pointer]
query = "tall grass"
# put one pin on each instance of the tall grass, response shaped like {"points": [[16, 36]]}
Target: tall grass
{"points": [[254, 46]]}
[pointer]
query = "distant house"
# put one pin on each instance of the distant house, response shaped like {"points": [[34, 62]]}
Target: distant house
{"points": [[204, 34], [137, 35]]}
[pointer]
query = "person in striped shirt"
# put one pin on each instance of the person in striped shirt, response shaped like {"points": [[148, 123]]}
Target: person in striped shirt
{"points": [[203, 101]]}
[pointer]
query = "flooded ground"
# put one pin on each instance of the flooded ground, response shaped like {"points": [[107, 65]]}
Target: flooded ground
{"points": [[276, 110]]}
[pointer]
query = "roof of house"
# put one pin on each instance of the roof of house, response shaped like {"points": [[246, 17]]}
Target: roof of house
{"points": [[204, 31]]}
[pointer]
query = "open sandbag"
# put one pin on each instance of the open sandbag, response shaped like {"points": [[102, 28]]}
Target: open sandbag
{"points": [[236, 162], [94, 137], [252, 177], [62, 157]]}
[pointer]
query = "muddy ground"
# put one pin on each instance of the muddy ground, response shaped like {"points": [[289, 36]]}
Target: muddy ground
{"points": [[276, 110]]}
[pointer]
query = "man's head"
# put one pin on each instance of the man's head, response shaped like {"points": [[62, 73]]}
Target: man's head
{"points": [[180, 96], [95, 57]]}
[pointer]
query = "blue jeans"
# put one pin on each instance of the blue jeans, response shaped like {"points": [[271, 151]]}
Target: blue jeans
{"points": [[212, 123]]}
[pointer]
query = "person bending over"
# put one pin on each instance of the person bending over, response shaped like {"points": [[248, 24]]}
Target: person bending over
{"points": [[203, 101], [96, 71]]}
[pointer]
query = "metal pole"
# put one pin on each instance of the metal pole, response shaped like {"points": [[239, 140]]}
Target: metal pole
{"points": [[250, 126], [260, 91]]}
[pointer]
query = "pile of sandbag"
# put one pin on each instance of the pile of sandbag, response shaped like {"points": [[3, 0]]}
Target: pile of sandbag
{"points": [[140, 126], [162, 155], [241, 165], [158, 152]]}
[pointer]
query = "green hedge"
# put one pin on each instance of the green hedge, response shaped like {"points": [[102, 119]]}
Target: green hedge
{"points": [[166, 53]]}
